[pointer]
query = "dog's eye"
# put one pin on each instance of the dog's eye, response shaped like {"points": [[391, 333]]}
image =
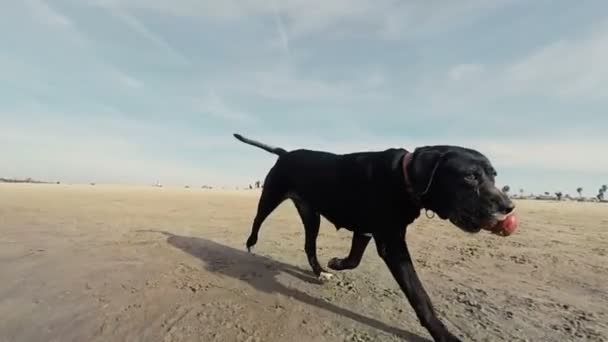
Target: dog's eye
{"points": [[471, 179]]}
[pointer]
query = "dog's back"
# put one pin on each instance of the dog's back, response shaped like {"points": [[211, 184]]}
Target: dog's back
{"points": [[344, 187]]}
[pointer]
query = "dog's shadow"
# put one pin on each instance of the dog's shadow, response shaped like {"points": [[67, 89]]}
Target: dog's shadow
{"points": [[261, 273]]}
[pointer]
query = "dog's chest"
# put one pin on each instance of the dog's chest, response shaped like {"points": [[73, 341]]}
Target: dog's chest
{"points": [[352, 211]]}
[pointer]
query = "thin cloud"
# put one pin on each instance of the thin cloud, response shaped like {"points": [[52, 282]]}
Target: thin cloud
{"points": [[138, 26], [106, 150], [465, 72], [125, 79], [53, 17], [578, 155], [98, 149], [563, 70], [214, 105], [282, 32], [286, 83], [384, 19], [411, 19], [48, 15]]}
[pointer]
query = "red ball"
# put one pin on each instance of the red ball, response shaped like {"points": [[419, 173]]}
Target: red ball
{"points": [[507, 226]]}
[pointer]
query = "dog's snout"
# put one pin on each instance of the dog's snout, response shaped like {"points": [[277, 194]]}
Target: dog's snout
{"points": [[507, 206], [510, 207], [501, 202]]}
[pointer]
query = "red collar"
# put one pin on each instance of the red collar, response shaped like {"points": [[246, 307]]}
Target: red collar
{"points": [[409, 187], [407, 159]]}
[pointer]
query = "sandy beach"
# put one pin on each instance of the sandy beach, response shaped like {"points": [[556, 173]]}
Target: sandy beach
{"points": [[127, 263]]}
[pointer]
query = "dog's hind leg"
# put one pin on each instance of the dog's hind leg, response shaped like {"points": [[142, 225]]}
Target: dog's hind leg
{"points": [[272, 196], [311, 220], [357, 248]]}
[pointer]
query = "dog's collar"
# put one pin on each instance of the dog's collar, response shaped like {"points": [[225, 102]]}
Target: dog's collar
{"points": [[409, 186], [407, 159]]}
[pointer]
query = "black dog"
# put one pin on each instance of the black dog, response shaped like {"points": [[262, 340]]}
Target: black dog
{"points": [[379, 194]]}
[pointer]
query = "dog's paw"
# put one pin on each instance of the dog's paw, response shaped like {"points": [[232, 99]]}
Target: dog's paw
{"points": [[448, 337], [338, 264], [251, 241], [335, 264], [453, 338], [325, 276]]}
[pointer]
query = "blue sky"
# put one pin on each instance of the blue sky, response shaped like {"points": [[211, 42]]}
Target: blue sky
{"points": [[135, 91]]}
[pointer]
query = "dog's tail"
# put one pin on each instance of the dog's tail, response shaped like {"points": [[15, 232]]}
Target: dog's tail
{"points": [[276, 150]]}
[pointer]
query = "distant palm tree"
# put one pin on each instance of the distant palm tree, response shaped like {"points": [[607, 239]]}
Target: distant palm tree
{"points": [[601, 192], [559, 195], [506, 189], [580, 192]]}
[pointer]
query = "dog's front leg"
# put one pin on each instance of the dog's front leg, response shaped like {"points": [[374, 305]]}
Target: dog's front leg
{"points": [[393, 250]]}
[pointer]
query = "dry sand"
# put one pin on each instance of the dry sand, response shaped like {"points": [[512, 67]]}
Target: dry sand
{"points": [[103, 263]]}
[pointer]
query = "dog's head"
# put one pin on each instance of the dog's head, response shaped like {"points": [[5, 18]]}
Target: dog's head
{"points": [[458, 184]]}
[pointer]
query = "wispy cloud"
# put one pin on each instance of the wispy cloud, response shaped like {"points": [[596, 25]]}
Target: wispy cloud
{"points": [[282, 32], [124, 78], [562, 68], [102, 69], [48, 15], [568, 154], [138, 26], [285, 82], [465, 72], [212, 104], [385, 19], [100, 149], [411, 19], [565, 68]]}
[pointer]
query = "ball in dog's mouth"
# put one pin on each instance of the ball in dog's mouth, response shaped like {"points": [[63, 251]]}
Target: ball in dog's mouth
{"points": [[506, 226]]}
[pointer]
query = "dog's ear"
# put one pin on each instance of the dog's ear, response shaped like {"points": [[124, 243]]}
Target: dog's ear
{"points": [[425, 164]]}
